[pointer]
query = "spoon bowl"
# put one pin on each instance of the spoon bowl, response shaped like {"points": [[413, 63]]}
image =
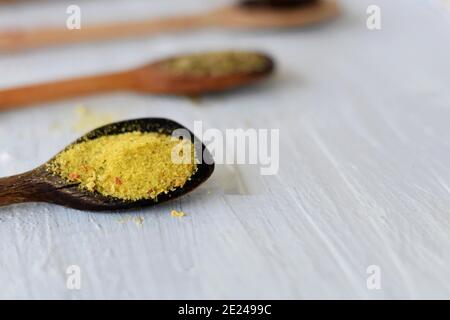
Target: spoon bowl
{"points": [[39, 185], [154, 78]]}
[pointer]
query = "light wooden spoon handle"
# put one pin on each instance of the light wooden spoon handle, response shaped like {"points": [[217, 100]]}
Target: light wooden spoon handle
{"points": [[27, 95], [25, 39]]}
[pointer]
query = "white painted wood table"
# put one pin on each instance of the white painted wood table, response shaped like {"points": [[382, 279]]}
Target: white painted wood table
{"points": [[364, 176]]}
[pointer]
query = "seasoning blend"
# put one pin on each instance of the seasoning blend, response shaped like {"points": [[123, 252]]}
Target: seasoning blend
{"points": [[129, 166], [217, 64]]}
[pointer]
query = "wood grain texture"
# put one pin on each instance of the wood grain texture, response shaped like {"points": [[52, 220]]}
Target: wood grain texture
{"points": [[364, 176]]}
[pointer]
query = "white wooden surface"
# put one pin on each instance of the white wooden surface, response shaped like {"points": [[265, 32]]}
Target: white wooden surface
{"points": [[364, 177]]}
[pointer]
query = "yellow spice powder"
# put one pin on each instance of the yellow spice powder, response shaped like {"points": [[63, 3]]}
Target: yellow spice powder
{"points": [[177, 214], [128, 166]]}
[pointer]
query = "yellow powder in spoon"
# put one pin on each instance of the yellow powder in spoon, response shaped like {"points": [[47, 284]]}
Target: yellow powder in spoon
{"points": [[129, 166]]}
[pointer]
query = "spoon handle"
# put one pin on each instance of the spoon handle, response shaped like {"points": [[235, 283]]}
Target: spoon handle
{"points": [[15, 189], [18, 97], [25, 39]]}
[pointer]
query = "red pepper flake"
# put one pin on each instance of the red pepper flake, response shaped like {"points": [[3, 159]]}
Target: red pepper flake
{"points": [[74, 176], [117, 181], [151, 192]]}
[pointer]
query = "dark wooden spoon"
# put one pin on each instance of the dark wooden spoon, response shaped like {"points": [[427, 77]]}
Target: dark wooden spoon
{"points": [[151, 78], [39, 185]]}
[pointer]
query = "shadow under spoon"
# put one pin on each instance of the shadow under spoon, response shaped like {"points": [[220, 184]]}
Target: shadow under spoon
{"points": [[39, 185]]}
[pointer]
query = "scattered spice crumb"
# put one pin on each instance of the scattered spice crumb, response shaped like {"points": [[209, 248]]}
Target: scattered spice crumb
{"points": [[177, 214], [123, 220], [88, 119], [139, 221]]}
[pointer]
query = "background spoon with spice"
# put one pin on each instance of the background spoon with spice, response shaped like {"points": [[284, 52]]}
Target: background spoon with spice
{"points": [[43, 185], [191, 74], [247, 14]]}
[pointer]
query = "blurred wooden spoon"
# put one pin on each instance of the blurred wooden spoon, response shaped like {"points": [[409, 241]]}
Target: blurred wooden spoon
{"points": [[190, 74], [259, 14]]}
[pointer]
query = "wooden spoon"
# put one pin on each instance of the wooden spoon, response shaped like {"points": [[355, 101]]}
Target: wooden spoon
{"points": [[152, 78], [241, 15], [39, 185]]}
